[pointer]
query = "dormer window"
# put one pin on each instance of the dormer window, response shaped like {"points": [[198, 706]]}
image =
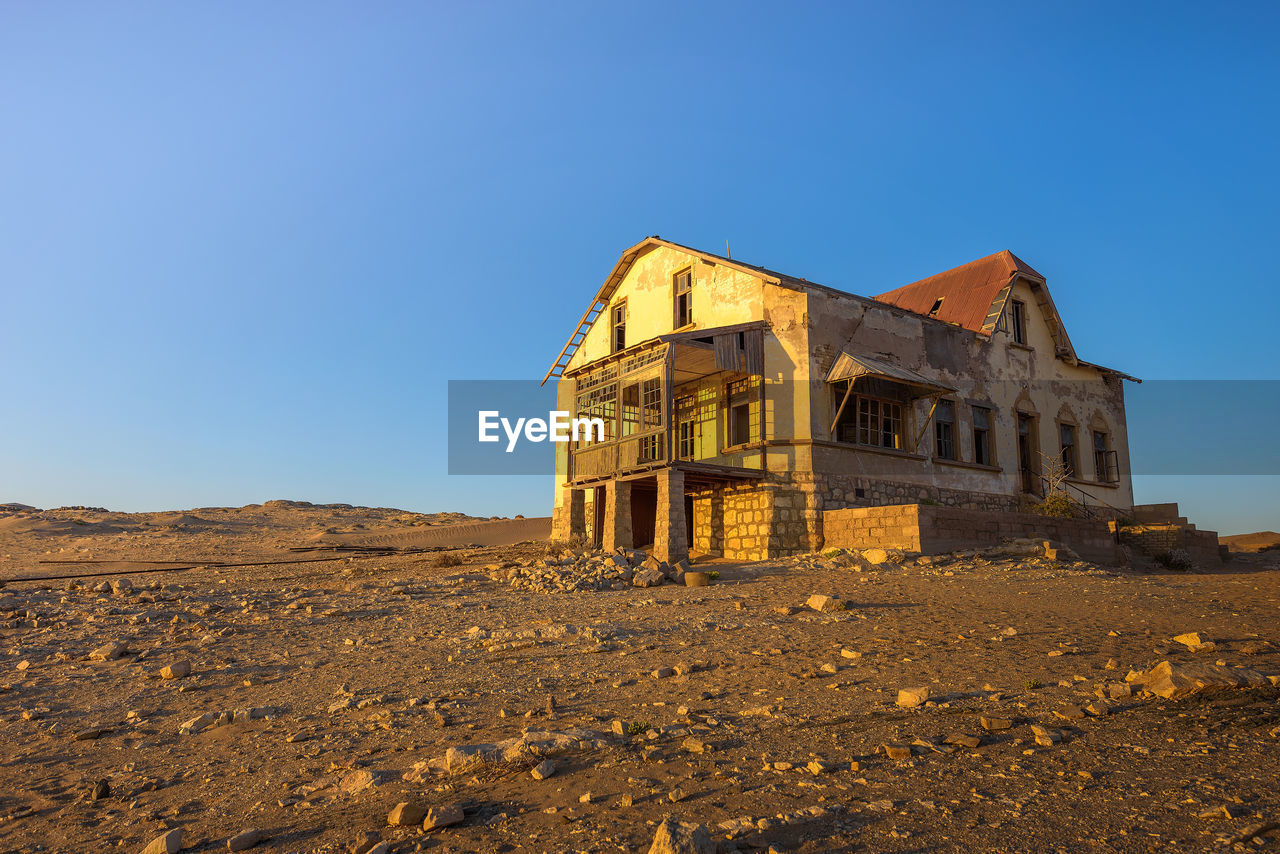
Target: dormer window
{"points": [[937, 306], [682, 289], [1018, 321]]}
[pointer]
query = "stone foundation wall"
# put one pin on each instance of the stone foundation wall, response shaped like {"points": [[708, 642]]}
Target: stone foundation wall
{"points": [[752, 521], [841, 490], [931, 529]]}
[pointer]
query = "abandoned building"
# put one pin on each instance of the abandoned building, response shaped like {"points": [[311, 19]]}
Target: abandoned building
{"points": [[743, 406]]}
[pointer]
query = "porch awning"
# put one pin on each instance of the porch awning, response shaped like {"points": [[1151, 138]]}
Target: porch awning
{"points": [[851, 367]]}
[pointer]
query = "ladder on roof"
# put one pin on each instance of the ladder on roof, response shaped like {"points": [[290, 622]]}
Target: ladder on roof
{"points": [[575, 340]]}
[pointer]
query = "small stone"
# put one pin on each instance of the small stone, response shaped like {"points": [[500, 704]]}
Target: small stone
{"points": [[177, 670], [819, 766], [1190, 639], [963, 740], [897, 751], [826, 604], [366, 842], [850, 653], [169, 843], [443, 816], [995, 724], [664, 673], [245, 840], [100, 790], [544, 769], [675, 795], [406, 815], [91, 734], [1046, 737], [109, 652], [909, 698], [1070, 713], [694, 745]]}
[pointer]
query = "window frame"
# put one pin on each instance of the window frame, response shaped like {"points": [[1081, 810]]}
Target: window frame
{"points": [[988, 430], [618, 322], [682, 314], [950, 430], [1018, 321], [1071, 466]]}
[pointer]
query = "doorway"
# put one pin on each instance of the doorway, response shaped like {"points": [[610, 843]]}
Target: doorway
{"points": [[1028, 454], [597, 517], [644, 512]]}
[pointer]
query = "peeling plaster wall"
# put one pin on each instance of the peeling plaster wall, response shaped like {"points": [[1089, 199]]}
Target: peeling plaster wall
{"points": [[997, 372]]}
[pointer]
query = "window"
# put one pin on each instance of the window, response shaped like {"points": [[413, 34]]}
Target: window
{"points": [[742, 426], [944, 430], [650, 404], [868, 420], [683, 290], [1018, 319], [630, 409], [1101, 456], [600, 402], [937, 306], [982, 436], [1070, 457], [879, 423], [687, 427], [618, 325]]}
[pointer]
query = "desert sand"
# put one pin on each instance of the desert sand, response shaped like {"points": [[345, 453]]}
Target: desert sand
{"points": [[408, 670]]}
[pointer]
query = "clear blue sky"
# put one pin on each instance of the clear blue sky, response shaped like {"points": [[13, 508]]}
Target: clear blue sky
{"points": [[243, 246]]}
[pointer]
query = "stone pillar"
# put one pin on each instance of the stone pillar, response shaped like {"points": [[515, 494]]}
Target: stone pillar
{"points": [[670, 536], [617, 515], [569, 520]]}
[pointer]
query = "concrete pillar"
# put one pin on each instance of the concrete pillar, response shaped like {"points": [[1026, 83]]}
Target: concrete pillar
{"points": [[617, 515], [670, 536], [569, 520]]}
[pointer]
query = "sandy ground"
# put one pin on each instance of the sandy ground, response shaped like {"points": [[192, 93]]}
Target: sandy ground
{"points": [[738, 709]]}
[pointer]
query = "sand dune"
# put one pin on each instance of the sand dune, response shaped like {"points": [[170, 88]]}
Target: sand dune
{"points": [[497, 533]]}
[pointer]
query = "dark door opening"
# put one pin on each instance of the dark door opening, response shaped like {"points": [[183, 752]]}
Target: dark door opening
{"points": [[597, 517], [644, 511], [1028, 466], [688, 521]]}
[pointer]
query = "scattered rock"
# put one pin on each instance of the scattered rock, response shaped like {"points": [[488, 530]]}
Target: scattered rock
{"points": [[110, 651], [824, 603], [169, 843], [995, 724], [544, 769], [909, 698], [177, 670], [245, 840], [406, 815], [443, 816]]}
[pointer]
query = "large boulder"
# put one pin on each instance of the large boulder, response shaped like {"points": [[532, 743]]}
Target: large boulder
{"points": [[1172, 681], [680, 837]]}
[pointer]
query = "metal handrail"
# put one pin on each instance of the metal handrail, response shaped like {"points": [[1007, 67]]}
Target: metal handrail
{"points": [[1084, 499]]}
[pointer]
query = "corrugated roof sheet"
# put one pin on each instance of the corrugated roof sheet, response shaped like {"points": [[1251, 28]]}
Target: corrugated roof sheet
{"points": [[849, 367], [968, 292]]}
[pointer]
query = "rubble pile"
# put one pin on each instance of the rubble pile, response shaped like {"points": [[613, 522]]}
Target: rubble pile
{"points": [[586, 571]]}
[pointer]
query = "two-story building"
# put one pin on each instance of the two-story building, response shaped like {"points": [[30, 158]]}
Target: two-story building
{"points": [[740, 403]]}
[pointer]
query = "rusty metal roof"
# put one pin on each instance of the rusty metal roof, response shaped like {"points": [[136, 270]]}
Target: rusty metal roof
{"points": [[852, 366], [969, 293]]}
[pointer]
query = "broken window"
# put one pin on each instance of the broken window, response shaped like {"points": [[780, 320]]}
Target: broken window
{"points": [[1102, 456], [982, 436], [1070, 457], [937, 306], [879, 423], [618, 325], [944, 430], [743, 421], [1018, 319], [683, 290]]}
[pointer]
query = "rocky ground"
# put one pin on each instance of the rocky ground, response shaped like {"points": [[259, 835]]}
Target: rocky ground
{"points": [[520, 698]]}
